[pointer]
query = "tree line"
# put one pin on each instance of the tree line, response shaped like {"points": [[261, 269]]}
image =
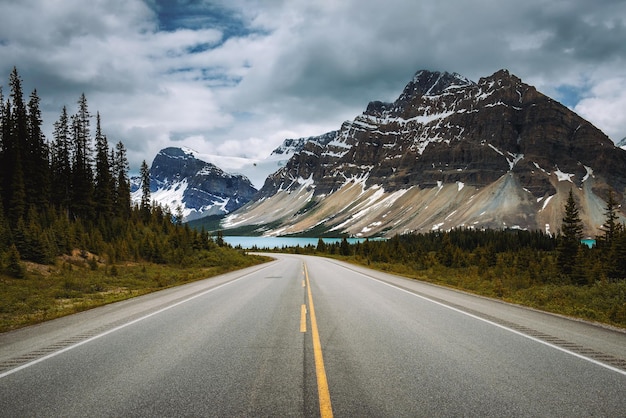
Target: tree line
{"points": [[73, 191], [526, 257]]}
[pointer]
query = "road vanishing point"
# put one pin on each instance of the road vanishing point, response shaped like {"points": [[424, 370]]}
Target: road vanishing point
{"points": [[304, 336]]}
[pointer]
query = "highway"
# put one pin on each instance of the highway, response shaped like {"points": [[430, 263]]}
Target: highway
{"points": [[305, 336]]}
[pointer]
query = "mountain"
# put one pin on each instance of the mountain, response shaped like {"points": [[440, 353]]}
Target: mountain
{"points": [[260, 169], [290, 147], [622, 143], [447, 153], [192, 180], [179, 179]]}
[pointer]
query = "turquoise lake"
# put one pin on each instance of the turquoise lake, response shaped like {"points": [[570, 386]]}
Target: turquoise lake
{"points": [[280, 242]]}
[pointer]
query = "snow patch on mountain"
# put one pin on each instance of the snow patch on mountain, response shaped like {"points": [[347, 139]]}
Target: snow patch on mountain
{"points": [[561, 176], [256, 170], [183, 183]]}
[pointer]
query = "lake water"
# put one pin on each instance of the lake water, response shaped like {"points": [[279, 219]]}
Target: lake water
{"points": [[589, 242], [280, 242]]}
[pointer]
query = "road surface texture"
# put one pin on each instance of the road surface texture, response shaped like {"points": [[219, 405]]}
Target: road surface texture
{"points": [[307, 336]]}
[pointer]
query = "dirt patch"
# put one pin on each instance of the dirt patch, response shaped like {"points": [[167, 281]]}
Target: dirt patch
{"points": [[41, 269], [81, 258]]}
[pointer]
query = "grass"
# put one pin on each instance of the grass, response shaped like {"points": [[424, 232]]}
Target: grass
{"points": [[602, 302], [74, 285]]}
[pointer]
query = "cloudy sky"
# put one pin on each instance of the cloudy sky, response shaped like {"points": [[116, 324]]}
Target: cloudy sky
{"points": [[236, 77]]}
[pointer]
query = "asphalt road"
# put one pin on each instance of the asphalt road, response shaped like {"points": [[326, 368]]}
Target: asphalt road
{"points": [[304, 336]]}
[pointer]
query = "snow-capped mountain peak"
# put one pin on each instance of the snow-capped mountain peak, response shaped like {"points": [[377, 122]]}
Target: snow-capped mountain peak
{"points": [[180, 180]]}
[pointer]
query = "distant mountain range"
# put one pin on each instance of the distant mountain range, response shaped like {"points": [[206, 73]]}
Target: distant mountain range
{"points": [[447, 153], [186, 179]]}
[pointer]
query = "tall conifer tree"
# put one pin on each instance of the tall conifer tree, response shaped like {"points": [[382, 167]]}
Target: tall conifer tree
{"points": [[145, 191], [571, 231], [82, 174], [103, 180], [6, 163], [610, 227], [14, 149], [2, 123], [122, 182], [36, 161], [61, 162]]}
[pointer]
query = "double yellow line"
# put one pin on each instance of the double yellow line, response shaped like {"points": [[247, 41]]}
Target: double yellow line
{"points": [[326, 409]]}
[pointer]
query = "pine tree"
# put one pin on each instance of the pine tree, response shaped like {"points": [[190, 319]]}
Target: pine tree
{"points": [[610, 226], [219, 239], [571, 234], [321, 245], [446, 253], [344, 248], [122, 183], [83, 130], [20, 116], [178, 215], [617, 268], [103, 180], [14, 268], [5, 231], [61, 162], [36, 158], [82, 205], [2, 125], [15, 136], [145, 191]]}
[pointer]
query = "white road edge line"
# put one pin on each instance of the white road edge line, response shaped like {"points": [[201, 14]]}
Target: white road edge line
{"points": [[112, 330], [596, 362]]}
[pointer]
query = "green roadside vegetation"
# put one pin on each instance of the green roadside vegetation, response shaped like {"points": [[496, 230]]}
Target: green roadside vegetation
{"points": [[70, 237], [552, 273], [82, 281]]}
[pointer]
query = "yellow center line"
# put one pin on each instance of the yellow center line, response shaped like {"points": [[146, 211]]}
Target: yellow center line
{"points": [[303, 318], [326, 409]]}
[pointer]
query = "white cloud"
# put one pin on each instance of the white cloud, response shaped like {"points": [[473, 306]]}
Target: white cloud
{"points": [[237, 77], [605, 106]]}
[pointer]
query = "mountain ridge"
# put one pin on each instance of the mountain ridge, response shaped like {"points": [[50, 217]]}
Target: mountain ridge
{"points": [[182, 182], [498, 136]]}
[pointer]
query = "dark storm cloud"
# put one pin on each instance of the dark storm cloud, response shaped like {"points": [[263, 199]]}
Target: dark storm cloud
{"points": [[582, 30]]}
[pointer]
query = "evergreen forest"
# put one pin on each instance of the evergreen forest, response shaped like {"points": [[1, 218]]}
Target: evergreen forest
{"points": [[68, 228]]}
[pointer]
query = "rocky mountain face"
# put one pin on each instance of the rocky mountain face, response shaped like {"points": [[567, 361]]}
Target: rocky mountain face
{"points": [[179, 179], [291, 146], [448, 152]]}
